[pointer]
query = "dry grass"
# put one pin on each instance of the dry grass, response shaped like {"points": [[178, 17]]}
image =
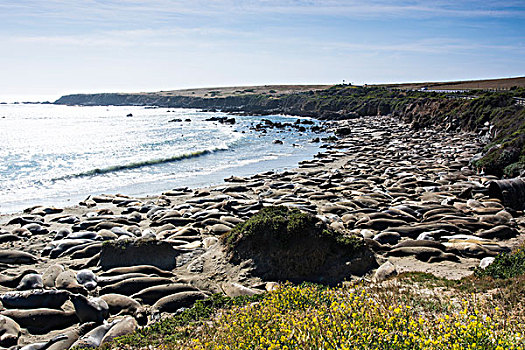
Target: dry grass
{"points": [[486, 84]]}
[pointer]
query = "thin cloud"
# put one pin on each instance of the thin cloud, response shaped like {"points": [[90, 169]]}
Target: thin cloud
{"points": [[164, 10]]}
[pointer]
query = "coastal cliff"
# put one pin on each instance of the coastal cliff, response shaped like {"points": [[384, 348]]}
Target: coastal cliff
{"points": [[497, 116]]}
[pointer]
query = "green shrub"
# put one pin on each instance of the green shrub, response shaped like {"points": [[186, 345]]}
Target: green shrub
{"points": [[506, 265], [282, 224]]}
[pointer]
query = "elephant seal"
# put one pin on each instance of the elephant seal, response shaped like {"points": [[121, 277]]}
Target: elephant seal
{"points": [[125, 326], [44, 345], [72, 336], [124, 305], [420, 243], [107, 280], [174, 302], [50, 275], [87, 252], [9, 256], [134, 285], [150, 295], [146, 269], [8, 237], [55, 248], [34, 299], [87, 278], [31, 281], [68, 280], [42, 321], [423, 253], [9, 331], [12, 282], [121, 304], [90, 309], [94, 337]]}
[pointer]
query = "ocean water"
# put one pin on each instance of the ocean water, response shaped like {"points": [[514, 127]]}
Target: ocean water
{"points": [[58, 155]]}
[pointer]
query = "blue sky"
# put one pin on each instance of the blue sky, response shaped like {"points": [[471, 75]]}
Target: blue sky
{"points": [[54, 47]]}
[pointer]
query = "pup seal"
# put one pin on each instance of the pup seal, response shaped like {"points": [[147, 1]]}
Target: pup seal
{"points": [[31, 281], [50, 275], [12, 282], [124, 305], [87, 278]]}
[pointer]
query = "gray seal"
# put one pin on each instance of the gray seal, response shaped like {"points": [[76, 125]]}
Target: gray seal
{"points": [[107, 280], [134, 285], [44, 345], [90, 309], [147, 269]]}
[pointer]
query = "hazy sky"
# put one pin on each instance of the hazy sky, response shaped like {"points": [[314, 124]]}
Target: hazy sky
{"points": [[53, 47]]}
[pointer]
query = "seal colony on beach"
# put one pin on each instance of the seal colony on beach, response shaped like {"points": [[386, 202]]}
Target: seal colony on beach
{"points": [[84, 275]]}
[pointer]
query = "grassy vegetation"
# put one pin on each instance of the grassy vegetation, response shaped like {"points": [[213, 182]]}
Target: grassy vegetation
{"points": [[505, 265], [283, 224], [180, 326], [416, 311]]}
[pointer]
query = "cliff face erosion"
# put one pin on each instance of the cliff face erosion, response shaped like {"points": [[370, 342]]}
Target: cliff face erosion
{"points": [[497, 116]]}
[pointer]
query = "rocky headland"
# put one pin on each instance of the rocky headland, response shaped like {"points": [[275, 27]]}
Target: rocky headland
{"points": [[384, 198]]}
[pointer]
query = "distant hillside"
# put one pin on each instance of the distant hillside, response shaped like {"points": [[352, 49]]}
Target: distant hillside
{"points": [[487, 84]]}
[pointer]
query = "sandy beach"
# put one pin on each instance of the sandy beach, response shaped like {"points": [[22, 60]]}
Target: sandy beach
{"points": [[410, 195]]}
